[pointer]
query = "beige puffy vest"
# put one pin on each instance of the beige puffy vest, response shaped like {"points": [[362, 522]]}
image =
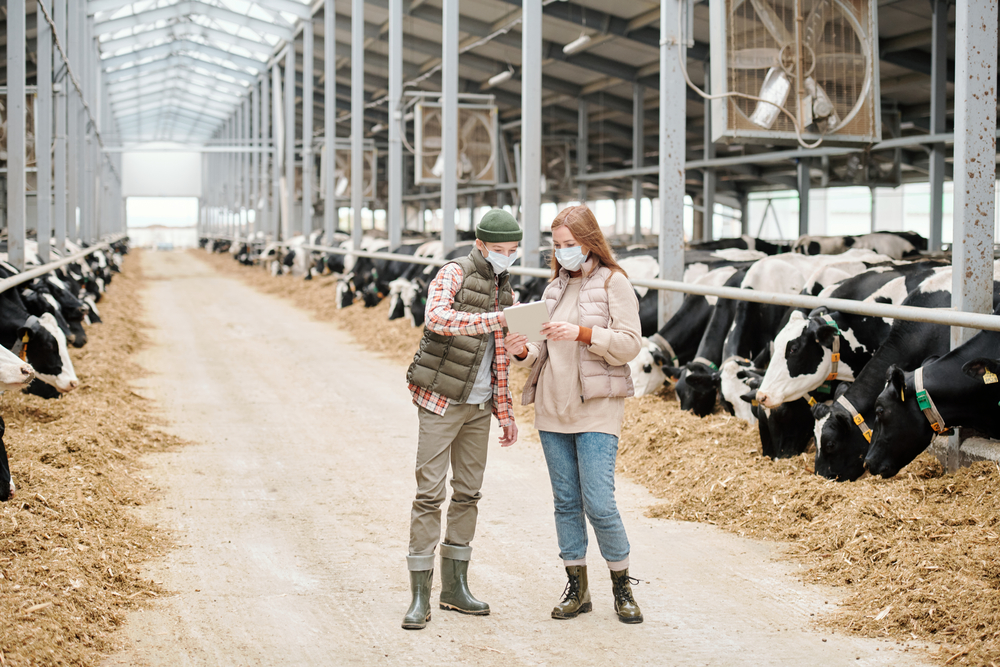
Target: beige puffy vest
{"points": [[598, 378], [448, 365]]}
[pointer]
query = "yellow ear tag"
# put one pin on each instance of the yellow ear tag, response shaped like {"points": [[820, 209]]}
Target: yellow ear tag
{"points": [[989, 377], [902, 395], [24, 347]]}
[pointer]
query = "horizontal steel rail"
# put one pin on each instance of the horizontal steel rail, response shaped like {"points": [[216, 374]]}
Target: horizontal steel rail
{"points": [[38, 271], [945, 316]]}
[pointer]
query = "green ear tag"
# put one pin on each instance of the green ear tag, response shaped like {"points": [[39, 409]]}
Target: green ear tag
{"points": [[923, 401], [823, 388]]}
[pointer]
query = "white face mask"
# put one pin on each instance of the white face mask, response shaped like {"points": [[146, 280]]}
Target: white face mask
{"points": [[499, 262], [571, 259]]}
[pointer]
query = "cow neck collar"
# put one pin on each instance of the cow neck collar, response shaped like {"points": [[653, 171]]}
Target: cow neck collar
{"points": [[858, 419], [703, 360], [926, 403], [662, 343], [835, 356]]}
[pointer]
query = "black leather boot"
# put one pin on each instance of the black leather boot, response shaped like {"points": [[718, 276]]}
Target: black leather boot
{"points": [[419, 612], [625, 606], [455, 593], [576, 597]]}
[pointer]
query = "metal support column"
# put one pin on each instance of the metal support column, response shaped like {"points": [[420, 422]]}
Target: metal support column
{"points": [[357, 117], [802, 174], [638, 121], [708, 175], [308, 68], [265, 155], [449, 120], [289, 226], [43, 157], [254, 158], [582, 147], [395, 214], [63, 84], [745, 213], [277, 224], [74, 173], [330, 217], [939, 81], [531, 129], [16, 132], [671, 161]]}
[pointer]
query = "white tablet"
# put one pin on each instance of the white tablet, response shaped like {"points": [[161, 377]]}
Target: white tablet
{"points": [[527, 319]]}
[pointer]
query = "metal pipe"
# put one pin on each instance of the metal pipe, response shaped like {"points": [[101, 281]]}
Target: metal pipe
{"points": [[939, 81], [582, 146], [436, 194], [671, 146], [802, 178], [394, 212], [255, 156], [449, 120], [288, 225], [638, 120], [330, 217], [708, 175], [60, 212], [35, 272], [531, 129], [43, 158], [357, 117]]}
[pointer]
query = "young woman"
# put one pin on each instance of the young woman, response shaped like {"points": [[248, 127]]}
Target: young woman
{"points": [[578, 383]]}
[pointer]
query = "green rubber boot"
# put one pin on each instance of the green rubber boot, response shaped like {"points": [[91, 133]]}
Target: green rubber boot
{"points": [[455, 593], [576, 597], [625, 606], [419, 612]]}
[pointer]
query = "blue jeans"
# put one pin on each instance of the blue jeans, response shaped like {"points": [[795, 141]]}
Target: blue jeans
{"points": [[582, 472]]}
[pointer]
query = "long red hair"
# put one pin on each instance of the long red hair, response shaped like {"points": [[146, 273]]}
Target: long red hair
{"points": [[583, 226]]}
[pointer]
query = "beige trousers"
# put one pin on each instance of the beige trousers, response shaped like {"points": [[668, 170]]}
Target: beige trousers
{"points": [[459, 437]]}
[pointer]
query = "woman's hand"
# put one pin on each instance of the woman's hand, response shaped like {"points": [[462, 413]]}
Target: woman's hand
{"points": [[515, 344], [560, 331]]}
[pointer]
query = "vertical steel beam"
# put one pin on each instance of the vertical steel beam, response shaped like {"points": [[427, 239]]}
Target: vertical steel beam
{"points": [[449, 120], [582, 146], [60, 213], [744, 213], [87, 132], [308, 68], [330, 221], [73, 172], [16, 132], [638, 122], [708, 175], [975, 159], [276, 222], [255, 156], [357, 117], [672, 146], [802, 173], [939, 81], [43, 157], [265, 155], [531, 129], [289, 226], [394, 214]]}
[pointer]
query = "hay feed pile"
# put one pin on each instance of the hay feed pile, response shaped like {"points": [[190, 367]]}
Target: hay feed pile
{"points": [[916, 554], [70, 548]]}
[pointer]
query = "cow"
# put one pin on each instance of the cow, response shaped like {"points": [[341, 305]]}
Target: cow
{"points": [[803, 357], [842, 430], [897, 245], [959, 389], [742, 242]]}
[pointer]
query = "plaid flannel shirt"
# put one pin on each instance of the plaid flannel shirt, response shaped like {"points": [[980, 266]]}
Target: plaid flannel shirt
{"points": [[442, 318]]}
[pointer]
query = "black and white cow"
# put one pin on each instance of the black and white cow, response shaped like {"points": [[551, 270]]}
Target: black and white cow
{"points": [[841, 443], [803, 349], [742, 242], [786, 430], [894, 244], [14, 374], [963, 387]]}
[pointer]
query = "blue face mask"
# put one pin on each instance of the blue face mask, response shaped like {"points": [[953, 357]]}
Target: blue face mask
{"points": [[571, 259], [500, 263]]}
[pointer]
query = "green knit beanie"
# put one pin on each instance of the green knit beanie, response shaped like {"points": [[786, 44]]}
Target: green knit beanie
{"points": [[498, 226]]}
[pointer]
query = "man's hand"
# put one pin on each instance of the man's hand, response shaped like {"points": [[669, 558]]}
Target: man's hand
{"points": [[509, 436], [503, 319]]}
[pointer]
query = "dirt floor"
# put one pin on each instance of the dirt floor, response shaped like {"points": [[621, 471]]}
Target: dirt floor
{"points": [[914, 555], [70, 549]]}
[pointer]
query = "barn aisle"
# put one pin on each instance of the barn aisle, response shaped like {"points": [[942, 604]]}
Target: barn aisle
{"points": [[290, 511]]}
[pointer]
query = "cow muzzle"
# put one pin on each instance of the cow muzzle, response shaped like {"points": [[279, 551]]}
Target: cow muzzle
{"points": [[769, 400]]}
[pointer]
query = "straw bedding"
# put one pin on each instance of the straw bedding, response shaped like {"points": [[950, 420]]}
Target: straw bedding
{"points": [[70, 548], [914, 555]]}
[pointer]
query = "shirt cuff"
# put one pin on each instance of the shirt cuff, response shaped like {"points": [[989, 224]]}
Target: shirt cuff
{"points": [[584, 335], [600, 341]]}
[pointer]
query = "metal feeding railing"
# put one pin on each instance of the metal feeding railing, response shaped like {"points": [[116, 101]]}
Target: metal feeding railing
{"points": [[38, 271], [945, 316]]}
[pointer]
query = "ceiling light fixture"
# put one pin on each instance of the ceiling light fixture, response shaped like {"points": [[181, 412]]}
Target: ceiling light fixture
{"points": [[377, 127], [578, 44], [502, 77]]}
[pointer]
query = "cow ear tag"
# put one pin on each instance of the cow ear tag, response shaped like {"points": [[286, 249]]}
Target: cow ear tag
{"points": [[24, 346], [902, 395], [922, 400], [811, 401], [989, 377], [858, 419]]}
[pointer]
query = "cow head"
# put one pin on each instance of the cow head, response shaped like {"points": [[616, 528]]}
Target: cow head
{"points": [[345, 291], [840, 446], [802, 360], [736, 377], [647, 376], [47, 352], [418, 302], [14, 373], [696, 388], [397, 302], [901, 431]]}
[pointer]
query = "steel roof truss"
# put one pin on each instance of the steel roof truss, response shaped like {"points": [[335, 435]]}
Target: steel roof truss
{"points": [[189, 7]]}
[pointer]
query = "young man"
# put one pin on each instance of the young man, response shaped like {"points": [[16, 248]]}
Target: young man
{"points": [[458, 377]]}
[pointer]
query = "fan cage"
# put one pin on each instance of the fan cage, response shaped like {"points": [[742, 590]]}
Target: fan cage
{"points": [[477, 143], [844, 64], [342, 162]]}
